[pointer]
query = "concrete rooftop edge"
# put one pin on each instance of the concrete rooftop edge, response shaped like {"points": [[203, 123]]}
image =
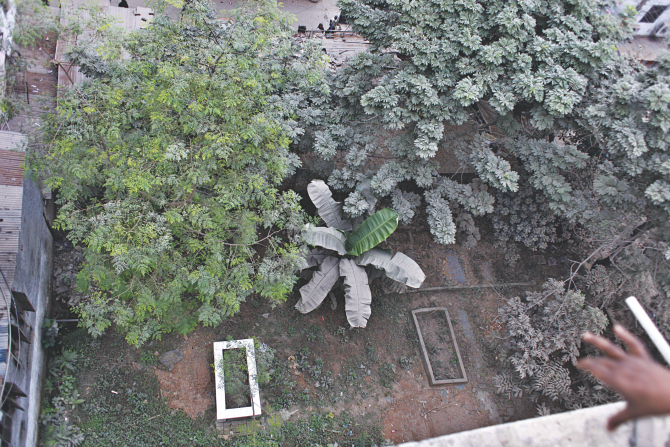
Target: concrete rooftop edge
{"points": [[579, 428]]}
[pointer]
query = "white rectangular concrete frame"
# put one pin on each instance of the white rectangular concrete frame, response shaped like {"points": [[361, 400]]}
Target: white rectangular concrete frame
{"points": [[255, 409]]}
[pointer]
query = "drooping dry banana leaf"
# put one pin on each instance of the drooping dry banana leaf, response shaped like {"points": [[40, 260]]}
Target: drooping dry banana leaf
{"points": [[329, 210], [314, 292], [316, 256], [358, 296], [400, 267], [328, 238]]}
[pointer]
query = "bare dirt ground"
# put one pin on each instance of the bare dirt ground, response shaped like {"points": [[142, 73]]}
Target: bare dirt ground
{"points": [[190, 385], [374, 373]]}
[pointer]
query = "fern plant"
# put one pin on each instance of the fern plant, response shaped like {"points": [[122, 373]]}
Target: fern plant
{"points": [[526, 217], [543, 337]]}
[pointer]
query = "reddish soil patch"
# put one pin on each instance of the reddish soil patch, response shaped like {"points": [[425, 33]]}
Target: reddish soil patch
{"points": [[189, 387], [417, 413]]}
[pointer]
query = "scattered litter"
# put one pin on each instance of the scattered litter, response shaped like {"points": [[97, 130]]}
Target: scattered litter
{"points": [[285, 414], [114, 392], [266, 315], [294, 365]]}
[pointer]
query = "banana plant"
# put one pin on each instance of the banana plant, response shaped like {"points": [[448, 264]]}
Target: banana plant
{"points": [[342, 251]]}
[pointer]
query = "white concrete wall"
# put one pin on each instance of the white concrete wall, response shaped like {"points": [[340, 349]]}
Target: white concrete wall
{"points": [[580, 428], [7, 22], [643, 6]]}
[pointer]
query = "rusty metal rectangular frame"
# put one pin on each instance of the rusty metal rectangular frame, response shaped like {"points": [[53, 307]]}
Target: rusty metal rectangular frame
{"points": [[426, 360]]}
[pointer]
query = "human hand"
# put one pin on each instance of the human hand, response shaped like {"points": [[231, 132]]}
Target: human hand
{"points": [[635, 375]]}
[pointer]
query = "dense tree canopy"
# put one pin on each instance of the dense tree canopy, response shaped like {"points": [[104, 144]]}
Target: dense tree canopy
{"points": [[436, 63], [167, 165]]}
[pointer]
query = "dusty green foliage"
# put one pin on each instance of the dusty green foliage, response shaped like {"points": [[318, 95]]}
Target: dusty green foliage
{"points": [[525, 216], [168, 168], [523, 60], [630, 116], [405, 203], [543, 337], [466, 224]]}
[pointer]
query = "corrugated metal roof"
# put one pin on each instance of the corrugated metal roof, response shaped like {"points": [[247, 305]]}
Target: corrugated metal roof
{"points": [[11, 168], [12, 140], [11, 203]]}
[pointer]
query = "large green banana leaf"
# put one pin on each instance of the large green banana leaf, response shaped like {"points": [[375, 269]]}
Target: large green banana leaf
{"points": [[324, 237], [400, 267], [373, 231], [357, 293], [314, 292], [329, 210]]}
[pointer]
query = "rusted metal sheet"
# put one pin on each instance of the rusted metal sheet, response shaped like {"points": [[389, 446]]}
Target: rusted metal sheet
{"points": [[11, 203], [11, 166]]}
